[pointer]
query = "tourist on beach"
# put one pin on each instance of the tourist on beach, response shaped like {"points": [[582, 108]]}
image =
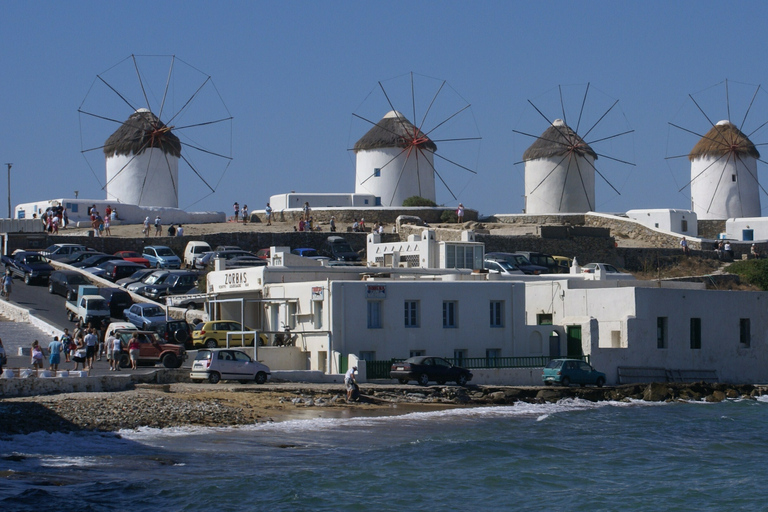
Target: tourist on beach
{"points": [[245, 214], [460, 213], [7, 285], [115, 349], [349, 381], [54, 350], [79, 353], [684, 246], [236, 207], [133, 350], [333, 224], [66, 343], [268, 211], [145, 231], [37, 355], [91, 341], [3, 357], [158, 226]]}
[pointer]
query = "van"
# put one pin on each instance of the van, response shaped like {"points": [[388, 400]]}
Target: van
{"points": [[338, 249], [194, 248]]}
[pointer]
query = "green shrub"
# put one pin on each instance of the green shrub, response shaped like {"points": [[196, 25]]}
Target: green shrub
{"points": [[418, 201], [754, 272], [449, 216]]}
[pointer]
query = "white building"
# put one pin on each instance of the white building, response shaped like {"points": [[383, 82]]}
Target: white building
{"points": [[683, 222], [559, 173], [747, 229], [296, 200], [724, 180], [395, 161], [142, 161], [424, 251]]}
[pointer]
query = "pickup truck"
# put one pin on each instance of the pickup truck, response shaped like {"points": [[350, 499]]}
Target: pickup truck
{"points": [[152, 349], [88, 308], [27, 265]]}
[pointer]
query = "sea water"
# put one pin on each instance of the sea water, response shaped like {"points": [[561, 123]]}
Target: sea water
{"points": [[573, 455]]}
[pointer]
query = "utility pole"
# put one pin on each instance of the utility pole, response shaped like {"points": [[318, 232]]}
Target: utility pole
{"points": [[10, 216]]}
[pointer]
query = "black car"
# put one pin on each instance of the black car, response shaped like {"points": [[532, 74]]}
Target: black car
{"points": [[94, 261], [66, 283], [118, 269], [80, 256], [175, 331], [28, 265], [424, 369], [178, 281], [117, 299], [518, 261], [338, 249], [136, 276]]}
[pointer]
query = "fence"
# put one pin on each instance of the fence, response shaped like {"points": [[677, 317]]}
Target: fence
{"points": [[380, 369]]}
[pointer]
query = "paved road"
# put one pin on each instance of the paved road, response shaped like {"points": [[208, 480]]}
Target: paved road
{"points": [[37, 300]]}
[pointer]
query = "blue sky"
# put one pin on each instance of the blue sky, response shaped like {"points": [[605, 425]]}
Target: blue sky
{"points": [[291, 74]]}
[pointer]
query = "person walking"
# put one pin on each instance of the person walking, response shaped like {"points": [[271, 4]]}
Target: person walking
{"points": [[145, 231], [349, 382], [158, 226], [54, 354], [245, 214], [116, 349], [236, 207], [268, 211], [79, 352], [133, 350], [67, 345], [180, 230], [37, 355], [460, 213], [91, 346], [7, 285]]}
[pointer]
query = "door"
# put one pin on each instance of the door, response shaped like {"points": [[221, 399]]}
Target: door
{"points": [[574, 341]]}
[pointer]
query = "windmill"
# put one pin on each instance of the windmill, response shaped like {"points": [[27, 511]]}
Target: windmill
{"points": [[560, 164], [716, 132], [398, 157], [161, 113]]}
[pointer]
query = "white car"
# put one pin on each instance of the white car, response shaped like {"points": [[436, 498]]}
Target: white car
{"points": [[606, 271], [214, 365]]}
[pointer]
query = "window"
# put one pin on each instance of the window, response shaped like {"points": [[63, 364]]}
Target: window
{"points": [[661, 332], [497, 313], [733, 177], [317, 314], [374, 314], [695, 333], [450, 313], [378, 201], [368, 355], [459, 355], [683, 225], [544, 319], [416, 353], [411, 313], [745, 332], [377, 172]]}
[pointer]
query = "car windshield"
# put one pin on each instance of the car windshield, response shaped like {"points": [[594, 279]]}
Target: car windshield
{"points": [[203, 355], [35, 258], [153, 311], [164, 251], [519, 259], [129, 254], [77, 279], [505, 265], [52, 249], [96, 304], [342, 247], [155, 278], [308, 253]]}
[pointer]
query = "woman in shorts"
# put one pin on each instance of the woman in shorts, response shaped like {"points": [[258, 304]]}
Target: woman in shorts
{"points": [[133, 350], [78, 354]]}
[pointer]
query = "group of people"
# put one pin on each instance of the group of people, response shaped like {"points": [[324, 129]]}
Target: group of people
{"points": [[101, 224], [173, 230], [54, 218], [245, 214]]}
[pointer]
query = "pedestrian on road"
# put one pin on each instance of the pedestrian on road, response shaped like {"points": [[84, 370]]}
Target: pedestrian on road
{"points": [[37, 355], [54, 350]]}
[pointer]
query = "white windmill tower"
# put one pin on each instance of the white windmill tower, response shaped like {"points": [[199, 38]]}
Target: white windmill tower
{"points": [[142, 161], [395, 161], [559, 172], [724, 181]]}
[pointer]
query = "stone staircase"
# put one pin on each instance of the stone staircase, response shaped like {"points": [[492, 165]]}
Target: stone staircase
{"points": [[20, 334]]}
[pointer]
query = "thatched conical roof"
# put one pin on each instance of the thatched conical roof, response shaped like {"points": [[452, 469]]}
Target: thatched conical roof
{"points": [[394, 131], [141, 131], [557, 141], [722, 139]]}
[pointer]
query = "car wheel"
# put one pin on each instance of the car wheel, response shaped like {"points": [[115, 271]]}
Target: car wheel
{"points": [[50, 287], [170, 360], [461, 380], [600, 382], [261, 378], [565, 382], [402, 380], [124, 361], [214, 377], [211, 343], [27, 279], [423, 379]]}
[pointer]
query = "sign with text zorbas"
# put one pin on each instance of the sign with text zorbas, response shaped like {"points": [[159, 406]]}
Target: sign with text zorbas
{"points": [[233, 280], [375, 291]]}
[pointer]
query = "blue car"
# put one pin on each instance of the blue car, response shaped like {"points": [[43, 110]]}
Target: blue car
{"points": [[571, 371], [160, 256], [145, 316]]}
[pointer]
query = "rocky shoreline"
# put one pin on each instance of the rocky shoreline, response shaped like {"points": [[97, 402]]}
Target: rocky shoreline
{"points": [[175, 405]]}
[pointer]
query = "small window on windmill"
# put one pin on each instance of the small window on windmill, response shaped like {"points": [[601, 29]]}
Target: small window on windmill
{"points": [[733, 177], [377, 172], [656, 225]]}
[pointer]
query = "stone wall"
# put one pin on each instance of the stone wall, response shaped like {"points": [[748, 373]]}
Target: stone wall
{"points": [[371, 215]]}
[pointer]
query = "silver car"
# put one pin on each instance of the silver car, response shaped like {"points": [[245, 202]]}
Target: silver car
{"points": [[214, 365]]}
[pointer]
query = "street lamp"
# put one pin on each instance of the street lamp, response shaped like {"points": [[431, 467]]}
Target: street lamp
{"points": [[9, 191], [76, 192]]}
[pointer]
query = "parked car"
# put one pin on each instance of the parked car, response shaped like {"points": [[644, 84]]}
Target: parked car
{"points": [[156, 277], [542, 260], [133, 256], [194, 249], [115, 270], [225, 364], [246, 262], [175, 331], [563, 264], [336, 248], [66, 283], [193, 299], [178, 281], [30, 266], [606, 270], [144, 315], [263, 253], [199, 260], [571, 371], [152, 350], [78, 257], [214, 334], [136, 276], [424, 369], [117, 299], [228, 248], [58, 251], [226, 255], [517, 260], [502, 267], [305, 252], [160, 256]]}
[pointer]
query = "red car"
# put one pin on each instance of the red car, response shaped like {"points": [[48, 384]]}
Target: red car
{"points": [[134, 257], [263, 254]]}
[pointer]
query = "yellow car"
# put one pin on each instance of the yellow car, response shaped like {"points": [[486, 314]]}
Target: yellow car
{"points": [[214, 334]]}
